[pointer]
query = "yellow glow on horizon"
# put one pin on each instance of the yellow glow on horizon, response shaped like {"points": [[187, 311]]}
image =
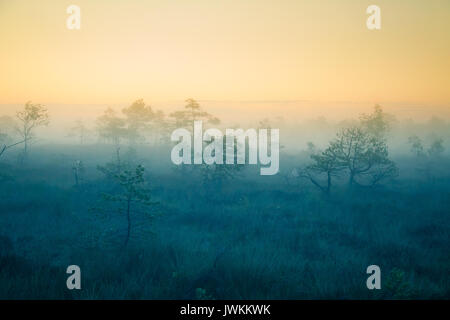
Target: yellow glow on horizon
{"points": [[224, 50]]}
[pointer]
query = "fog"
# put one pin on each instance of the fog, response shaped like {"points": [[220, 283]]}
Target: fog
{"points": [[362, 188]]}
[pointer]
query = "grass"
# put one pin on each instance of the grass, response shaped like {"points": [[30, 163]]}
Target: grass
{"points": [[258, 239]]}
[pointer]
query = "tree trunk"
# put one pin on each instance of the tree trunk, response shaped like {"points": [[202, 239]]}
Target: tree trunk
{"points": [[25, 147], [129, 222], [22, 159], [328, 183], [351, 179], [119, 165]]}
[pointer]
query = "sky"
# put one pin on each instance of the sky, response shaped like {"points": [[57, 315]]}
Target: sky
{"points": [[225, 50]]}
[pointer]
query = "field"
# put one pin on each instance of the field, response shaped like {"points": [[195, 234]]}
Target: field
{"points": [[251, 237]]}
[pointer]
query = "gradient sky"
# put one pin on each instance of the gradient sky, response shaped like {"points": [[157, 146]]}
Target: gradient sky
{"points": [[237, 50]]}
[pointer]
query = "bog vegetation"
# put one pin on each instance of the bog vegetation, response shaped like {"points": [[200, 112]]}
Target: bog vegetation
{"points": [[375, 191]]}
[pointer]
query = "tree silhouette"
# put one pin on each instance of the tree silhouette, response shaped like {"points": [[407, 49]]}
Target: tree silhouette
{"points": [[111, 128], [359, 150], [78, 171], [138, 117], [160, 129], [427, 158], [6, 147], [436, 148], [80, 131], [325, 164], [363, 155], [31, 117], [416, 146], [215, 175], [133, 194], [378, 123], [192, 112]]}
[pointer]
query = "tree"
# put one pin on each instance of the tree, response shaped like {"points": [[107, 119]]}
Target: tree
{"points": [[80, 131], [160, 128], [362, 155], [427, 158], [377, 123], [193, 111], [133, 194], [141, 119], [31, 117], [416, 146], [6, 147], [110, 127], [138, 118], [437, 148], [264, 124], [311, 147], [78, 171], [359, 150], [325, 163], [215, 175]]}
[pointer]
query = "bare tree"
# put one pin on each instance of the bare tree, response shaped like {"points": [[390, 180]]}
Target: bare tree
{"points": [[5, 147], [31, 117]]}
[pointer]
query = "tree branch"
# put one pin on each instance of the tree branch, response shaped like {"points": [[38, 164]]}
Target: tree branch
{"points": [[5, 147]]}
